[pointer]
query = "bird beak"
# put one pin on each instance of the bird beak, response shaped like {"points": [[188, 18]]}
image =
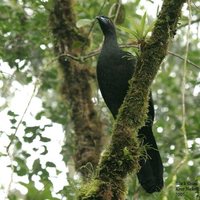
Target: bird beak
{"points": [[98, 17], [101, 19]]}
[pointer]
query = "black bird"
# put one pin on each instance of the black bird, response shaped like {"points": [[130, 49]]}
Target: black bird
{"points": [[114, 69]]}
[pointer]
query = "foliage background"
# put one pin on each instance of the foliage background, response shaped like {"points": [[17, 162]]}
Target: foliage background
{"points": [[36, 132]]}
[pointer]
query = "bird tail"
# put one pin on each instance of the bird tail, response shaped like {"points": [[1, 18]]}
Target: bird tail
{"points": [[150, 175]]}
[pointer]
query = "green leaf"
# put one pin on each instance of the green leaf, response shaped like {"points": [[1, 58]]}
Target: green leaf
{"points": [[143, 23], [148, 29], [13, 121], [12, 197], [21, 169], [18, 145], [45, 151], [31, 129], [133, 33], [50, 164], [140, 29], [37, 166], [25, 154], [46, 126], [39, 115], [11, 113], [44, 139], [35, 194], [84, 22], [31, 133], [35, 149], [24, 123], [29, 139]]}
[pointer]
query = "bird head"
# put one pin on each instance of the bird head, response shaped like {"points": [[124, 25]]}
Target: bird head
{"points": [[106, 25]]}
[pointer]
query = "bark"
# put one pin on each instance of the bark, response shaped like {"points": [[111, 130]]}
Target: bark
{"points": [[76, 87], [122, 156]]}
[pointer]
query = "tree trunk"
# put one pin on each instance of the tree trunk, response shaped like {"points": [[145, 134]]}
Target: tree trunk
{"points": [[76, 86]]}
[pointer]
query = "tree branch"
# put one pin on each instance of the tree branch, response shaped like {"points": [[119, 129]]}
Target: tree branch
{"points": [[182, 58], [122, 155], [97, 51], [192, 22]]}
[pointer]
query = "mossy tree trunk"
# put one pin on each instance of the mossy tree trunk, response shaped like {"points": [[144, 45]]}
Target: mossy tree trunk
{"points": [[76, 86], [122, 156]]}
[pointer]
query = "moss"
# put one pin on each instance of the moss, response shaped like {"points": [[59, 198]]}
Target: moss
{"points": [[121, 157], [89, 189], [76, 88], [101, 190]]}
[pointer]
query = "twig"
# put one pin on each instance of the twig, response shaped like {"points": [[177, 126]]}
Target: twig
{"points": [[182, 58], [183, 128], [91, 54], [13, 136], [12, 174], [118, 9], [129, 46], [22, 117], [97, 51], [186, 24], [72, 57], [93, 23]]}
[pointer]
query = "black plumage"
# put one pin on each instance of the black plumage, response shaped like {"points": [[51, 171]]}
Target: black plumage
{"points": [[114, 69]]}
